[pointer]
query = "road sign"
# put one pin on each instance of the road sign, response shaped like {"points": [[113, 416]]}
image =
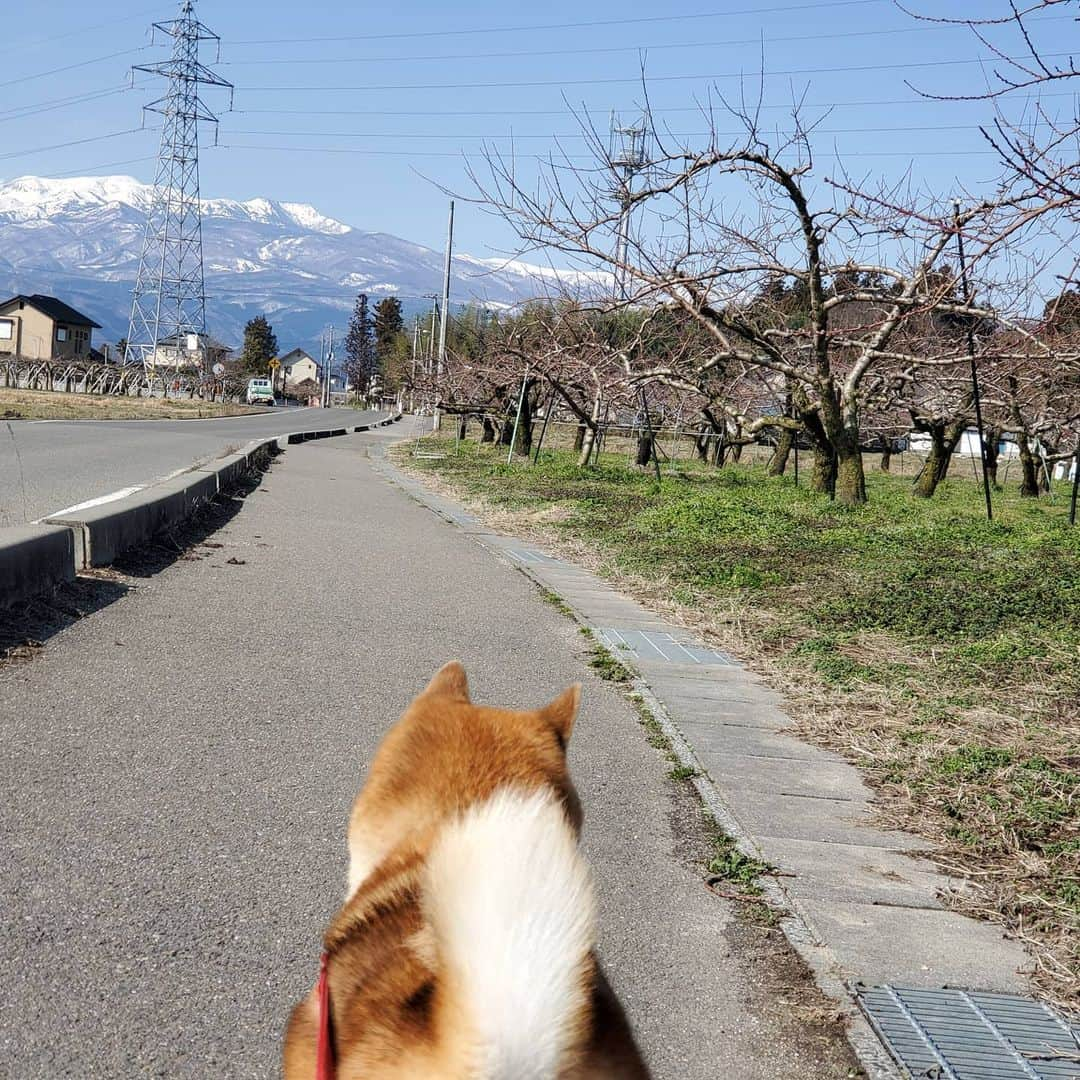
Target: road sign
{"points": [[275, 364], [219, 370]]}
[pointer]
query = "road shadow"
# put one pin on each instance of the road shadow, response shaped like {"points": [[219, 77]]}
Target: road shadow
{"points": [[27, 626], [190, 542]]}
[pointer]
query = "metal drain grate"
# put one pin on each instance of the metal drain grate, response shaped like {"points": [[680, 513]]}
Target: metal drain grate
{"points": [[657, 646], [965, 1035]]}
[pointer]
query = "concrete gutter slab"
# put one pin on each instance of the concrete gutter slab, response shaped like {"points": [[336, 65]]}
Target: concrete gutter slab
{"points": [[881, 938]]}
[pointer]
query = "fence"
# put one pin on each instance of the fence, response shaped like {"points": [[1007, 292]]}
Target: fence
{"points": [[123, 380]]}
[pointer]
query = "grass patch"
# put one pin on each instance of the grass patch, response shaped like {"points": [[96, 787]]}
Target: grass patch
{"points": [[605, 663], [937, 651], [557, 602], [50, 405]]}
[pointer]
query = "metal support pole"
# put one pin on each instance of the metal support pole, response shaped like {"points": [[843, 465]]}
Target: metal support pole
{"points": [[445, 312], [1075, 484], [543, 429], [974, 367], [517, 419]]}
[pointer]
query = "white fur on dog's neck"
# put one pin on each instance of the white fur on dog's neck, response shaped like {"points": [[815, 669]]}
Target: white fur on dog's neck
{"points": [[510, 902]]}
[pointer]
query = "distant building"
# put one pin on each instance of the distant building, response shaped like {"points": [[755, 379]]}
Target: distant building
{"points": [[43, 328], [297, 367], [190, 351]]}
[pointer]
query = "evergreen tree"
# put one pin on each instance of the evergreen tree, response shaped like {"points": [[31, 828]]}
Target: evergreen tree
{"points": [[389, 326], [260, 347], [361, 361]]}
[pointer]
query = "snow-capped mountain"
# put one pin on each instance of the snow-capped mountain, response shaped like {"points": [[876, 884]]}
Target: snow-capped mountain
{"points": [[80, 239]]}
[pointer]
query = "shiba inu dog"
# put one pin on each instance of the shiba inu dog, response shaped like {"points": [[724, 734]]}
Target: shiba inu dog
{"points": [[465, 947]]}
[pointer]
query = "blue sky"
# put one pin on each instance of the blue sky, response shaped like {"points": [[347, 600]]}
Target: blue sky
{"points": [[414, 87]]}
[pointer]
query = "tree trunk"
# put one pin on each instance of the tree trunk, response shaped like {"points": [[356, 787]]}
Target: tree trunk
{"points": [[850, 476], [781, 452], [993, 443], [720, 453], [645, 450], [886, 454], [463, 427], [589, 437], [579, 438], [488, 435], [1029, 484], [943, 442]]}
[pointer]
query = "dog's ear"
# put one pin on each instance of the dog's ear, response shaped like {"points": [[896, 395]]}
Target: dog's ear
{"points": [[450, 681], [562, 712]]}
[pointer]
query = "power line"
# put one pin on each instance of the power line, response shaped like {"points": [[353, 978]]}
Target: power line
{"points": [[72, 142], [564, 157], [565, 136], [72, 67], [594, 50], [86, 170], [60, 103], [633, 79], [908, 102], [51, 38], [413, 35]]}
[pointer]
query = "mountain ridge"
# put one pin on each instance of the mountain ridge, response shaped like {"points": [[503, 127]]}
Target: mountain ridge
{"points": [[80, 238]]}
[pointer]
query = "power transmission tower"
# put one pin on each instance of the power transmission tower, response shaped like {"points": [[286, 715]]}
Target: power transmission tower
{"points": [[169, 300], [626, 151]]}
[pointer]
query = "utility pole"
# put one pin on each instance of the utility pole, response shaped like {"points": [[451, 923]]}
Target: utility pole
{"points": [[974, 368], [329, 351], [169, 298], [627, 154], [429, 359], [445, 317]]}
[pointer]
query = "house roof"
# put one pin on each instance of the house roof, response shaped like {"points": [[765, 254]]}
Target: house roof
{"points": [[57, 310], [296, 357]]}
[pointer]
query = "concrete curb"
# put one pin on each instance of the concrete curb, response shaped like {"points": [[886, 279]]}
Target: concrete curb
{"points": [[34, 558], [868, 1048], [39, 557]]}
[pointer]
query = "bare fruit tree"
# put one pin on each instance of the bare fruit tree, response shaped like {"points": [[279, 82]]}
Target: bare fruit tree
{"points": [[719, 230]]}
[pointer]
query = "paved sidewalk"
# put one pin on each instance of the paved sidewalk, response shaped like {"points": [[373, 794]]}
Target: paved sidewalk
{"points": [[177, 770], [866, 911]]}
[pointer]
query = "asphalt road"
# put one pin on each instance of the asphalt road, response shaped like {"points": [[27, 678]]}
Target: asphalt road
{"points": [[47, 466], [176, 771]]}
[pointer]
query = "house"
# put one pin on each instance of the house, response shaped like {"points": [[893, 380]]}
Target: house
{"points": [[43, 328], [297, 367], [190, 351]]}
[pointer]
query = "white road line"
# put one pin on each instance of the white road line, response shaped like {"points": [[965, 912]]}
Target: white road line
{"points": [[123, 493]]}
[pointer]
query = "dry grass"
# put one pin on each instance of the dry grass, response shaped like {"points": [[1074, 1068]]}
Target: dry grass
{"points": [[49, 405], [969, 732]]}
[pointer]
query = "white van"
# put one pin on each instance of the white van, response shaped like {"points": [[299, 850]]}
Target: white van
{"points": [[260, 392]]}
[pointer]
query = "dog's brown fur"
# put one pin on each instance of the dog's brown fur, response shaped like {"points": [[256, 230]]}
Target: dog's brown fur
{"points": [[397, 1014]]}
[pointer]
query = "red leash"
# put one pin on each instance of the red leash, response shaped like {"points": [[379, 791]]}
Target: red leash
{"points": [[324, 1058]]}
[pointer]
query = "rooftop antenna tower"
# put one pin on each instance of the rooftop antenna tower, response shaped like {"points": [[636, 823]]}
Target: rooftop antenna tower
{"points": [[627, 154], [169, 300]]}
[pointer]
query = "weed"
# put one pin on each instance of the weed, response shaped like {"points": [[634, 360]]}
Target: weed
{"points": [[683, 772], [607, 667], [557, 602]]}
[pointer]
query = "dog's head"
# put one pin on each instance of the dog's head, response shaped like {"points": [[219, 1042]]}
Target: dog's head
{"points": [[445, 754]]}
